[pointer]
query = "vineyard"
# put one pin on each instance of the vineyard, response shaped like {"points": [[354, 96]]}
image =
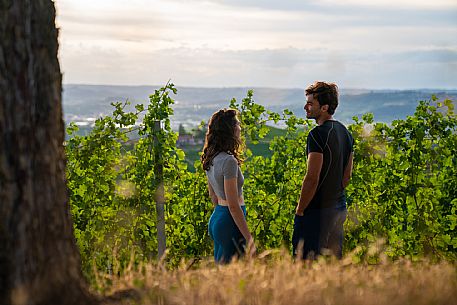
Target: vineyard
{"points": [[402, 200]]}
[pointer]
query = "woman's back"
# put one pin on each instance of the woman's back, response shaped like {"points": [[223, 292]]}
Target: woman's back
{"points": [[224, 166]]}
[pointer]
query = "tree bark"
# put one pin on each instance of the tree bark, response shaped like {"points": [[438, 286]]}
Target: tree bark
{"points": [[39, 260]]}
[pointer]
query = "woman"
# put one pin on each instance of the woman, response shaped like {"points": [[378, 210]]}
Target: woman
{"points": [[221, 161]]}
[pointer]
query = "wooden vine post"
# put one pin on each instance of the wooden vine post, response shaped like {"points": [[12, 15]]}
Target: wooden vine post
{"points": [[160, 192]]}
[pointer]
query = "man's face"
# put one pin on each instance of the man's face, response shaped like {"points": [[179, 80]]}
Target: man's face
{"points": [[312, 107]]}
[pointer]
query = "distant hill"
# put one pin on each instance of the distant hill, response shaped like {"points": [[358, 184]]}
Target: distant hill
{"points": [[83, 103]]}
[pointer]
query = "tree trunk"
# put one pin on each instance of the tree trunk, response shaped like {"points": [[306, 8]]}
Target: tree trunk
{"points": [[39, 260]]}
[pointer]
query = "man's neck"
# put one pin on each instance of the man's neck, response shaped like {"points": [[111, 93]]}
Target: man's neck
{"points": [[324, 117]]}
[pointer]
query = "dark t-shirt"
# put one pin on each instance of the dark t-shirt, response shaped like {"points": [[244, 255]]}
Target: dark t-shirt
{"points": [[336, 143]]}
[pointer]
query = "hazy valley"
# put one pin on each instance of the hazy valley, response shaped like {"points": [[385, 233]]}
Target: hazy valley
{"points": [[83, 103]]}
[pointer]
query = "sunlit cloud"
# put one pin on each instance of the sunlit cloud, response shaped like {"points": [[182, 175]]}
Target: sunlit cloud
{"points": [[261, 43], [332, 4]]}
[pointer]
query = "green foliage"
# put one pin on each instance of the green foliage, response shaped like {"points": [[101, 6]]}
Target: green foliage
{"points": [[404, 183], [403, 187]]}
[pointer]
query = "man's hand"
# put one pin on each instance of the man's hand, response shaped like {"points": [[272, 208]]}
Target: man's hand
{"points": [[298, 211]]}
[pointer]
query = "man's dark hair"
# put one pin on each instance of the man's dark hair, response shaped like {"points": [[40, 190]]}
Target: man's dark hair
{"points": [[325, 93]]}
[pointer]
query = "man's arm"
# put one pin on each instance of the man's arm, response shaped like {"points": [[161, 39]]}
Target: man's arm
{"points": [[310, 182], [348, 171]]}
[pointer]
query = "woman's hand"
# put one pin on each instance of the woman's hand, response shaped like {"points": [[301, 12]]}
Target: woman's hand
{"points": [[250, 248]]}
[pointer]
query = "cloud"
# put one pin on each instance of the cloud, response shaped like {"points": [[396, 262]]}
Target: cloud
{"points": [[272, 68], [259, 43], [316, 4], [230, 29], [437, 56]]}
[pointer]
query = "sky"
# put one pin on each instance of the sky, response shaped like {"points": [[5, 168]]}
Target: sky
{"points": [[375, 44]]}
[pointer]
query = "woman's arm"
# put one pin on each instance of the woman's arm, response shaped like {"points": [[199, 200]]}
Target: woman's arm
{"points": [[231, 195]]}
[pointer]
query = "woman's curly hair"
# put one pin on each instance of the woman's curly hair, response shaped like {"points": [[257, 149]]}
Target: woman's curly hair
{"points": [[221, 137]]}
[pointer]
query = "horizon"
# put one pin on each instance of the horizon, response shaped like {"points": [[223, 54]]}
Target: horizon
{"points": [[194, 104], [263, 87]]}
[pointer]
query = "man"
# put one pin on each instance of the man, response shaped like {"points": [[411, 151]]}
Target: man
{"points": [[321, 210]]}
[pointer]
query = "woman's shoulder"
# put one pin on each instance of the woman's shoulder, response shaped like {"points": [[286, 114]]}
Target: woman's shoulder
{"points": [[224, 157]]}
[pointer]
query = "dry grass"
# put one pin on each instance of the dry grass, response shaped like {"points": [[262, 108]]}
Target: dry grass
{"points": [[276, 279]]}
